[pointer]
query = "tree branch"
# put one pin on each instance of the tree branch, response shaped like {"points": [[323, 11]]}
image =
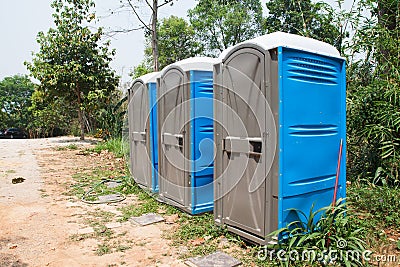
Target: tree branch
{"points": [[111, 33], [137, 15], [165, 3], [149, 5]]}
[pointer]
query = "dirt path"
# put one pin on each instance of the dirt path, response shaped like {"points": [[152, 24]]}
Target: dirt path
{"points": [[42, 225]]}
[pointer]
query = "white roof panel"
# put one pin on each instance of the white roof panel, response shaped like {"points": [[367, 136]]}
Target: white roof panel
{"points": [[282, 39], [193, 63], [148, 78]]}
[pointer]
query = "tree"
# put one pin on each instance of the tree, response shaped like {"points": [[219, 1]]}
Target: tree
{"points": [[373, 102], [304, 18], [141, 69], [150, 28], [50, 115], [222, 23], [389, 22], [15, 100], [176, 41], [72, 62]]}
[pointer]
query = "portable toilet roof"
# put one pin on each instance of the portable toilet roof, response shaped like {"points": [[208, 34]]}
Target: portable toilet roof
{"points": [[147, 78], [282, 39], [193, 63]]}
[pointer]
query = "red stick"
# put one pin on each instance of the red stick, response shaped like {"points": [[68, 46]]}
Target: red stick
{"points": [[336, 185], [337, 174]]}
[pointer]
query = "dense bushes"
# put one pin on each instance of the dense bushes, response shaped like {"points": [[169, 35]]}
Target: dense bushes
{"points": [[373, 100]]}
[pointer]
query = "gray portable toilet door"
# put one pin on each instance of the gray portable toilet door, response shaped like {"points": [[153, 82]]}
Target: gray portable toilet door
{"points": [[140, 111], [243, 159], [174, 111]]}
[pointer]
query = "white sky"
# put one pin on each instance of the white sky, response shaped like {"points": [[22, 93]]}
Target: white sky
{"points": [[21, 20]]}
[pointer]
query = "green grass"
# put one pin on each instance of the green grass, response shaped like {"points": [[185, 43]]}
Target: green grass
{"points": [[200, 235], [86, 180], [199, 226], [373, 209], [377, 213], [99, 217], [147, 204], [70, 147], [117, 146], [122, 248], [380, 204], [103, 249]]}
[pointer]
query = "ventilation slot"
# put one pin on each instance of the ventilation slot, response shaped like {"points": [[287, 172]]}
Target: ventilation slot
{"points": [[313, 130], [205, 89], [207, 129], [313, 61], [313, 180], [312, 71]]}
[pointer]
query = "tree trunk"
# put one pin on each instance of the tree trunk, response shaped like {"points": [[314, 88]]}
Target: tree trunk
{"points": [[388, 19], [81, 123], [80, 115], [387, 12], [154, 43]]}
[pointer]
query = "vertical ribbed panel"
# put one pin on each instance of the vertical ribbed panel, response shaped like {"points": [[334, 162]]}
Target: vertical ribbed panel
{"points": [[312, 123]]}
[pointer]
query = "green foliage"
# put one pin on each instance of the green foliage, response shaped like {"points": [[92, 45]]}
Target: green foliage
{"points": [[103, 249], [373, 97], [50, 115], [15, 100], [222, 23], [332, 236], [379, 203], [141, 69], [304, 18], [199, 226], [118, 146], [72, 62], [110, 116], [176, 41]]}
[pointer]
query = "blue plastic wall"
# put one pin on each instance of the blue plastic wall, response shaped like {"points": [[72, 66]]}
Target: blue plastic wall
{"points": [[312, 118], [202, 141], [152, 87]]}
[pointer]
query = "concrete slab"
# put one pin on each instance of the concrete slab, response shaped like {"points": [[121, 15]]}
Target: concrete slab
{"points": [[146, 219], [111, 197], [113, 225], [217, 259], [113, 184], [87, 230]]}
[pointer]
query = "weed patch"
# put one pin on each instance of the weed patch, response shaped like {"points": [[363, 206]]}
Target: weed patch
{"points": [[68, 147], [117, 146], [103, 249], [380, 204]]}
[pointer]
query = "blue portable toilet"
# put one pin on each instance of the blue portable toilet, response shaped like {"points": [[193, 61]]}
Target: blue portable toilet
{"points": [[142, 120], [185, 125], [280, 115]]}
